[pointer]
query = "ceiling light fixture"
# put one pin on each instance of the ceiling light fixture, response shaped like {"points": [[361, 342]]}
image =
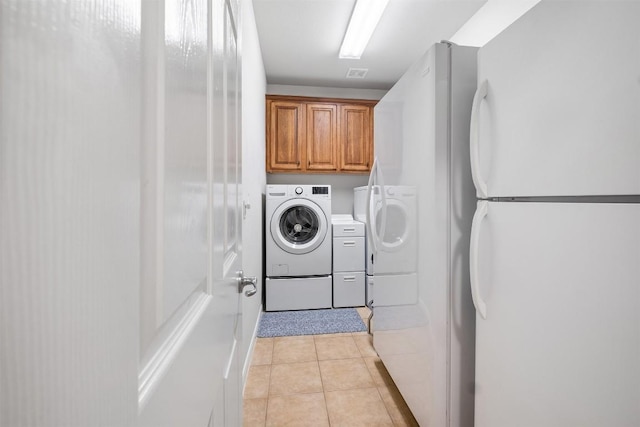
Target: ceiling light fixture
{"points": [[364, 19]]}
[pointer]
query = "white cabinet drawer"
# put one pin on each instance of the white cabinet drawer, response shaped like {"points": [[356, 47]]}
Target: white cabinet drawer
{"points": [[298, 293], [346, 229], [348, 254], [348, 289]]}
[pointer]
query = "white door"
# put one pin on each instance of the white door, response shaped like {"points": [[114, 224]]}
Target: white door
{"points": [[191, 365], [558, 334], [560, 115], [119, 218]]}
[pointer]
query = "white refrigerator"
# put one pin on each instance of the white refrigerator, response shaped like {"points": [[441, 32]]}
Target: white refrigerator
{"points": [[555, 242], [420, 207]]}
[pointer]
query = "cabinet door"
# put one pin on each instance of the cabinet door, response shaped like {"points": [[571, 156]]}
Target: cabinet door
{"points": [[322, 137], [285, 135], [355, 138]]}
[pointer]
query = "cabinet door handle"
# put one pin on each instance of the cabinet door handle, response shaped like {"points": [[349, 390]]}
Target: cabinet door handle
{"points": [[349, 279], [349, 230], [351, 243]]}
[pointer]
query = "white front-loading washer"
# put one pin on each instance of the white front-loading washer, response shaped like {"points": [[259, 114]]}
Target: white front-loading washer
{"points": [[298, 247]]}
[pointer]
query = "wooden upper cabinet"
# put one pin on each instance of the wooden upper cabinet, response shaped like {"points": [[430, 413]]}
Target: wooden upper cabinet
{"points": [[322, 137], [285, 135], [319, 135], [355, 135]]}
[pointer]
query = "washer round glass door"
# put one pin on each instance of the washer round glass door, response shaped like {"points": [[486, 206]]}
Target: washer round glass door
{"points": [[398, 230], [298, 226]]}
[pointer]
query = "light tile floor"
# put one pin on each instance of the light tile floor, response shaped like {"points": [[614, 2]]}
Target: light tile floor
{"points": [[321, 380]]}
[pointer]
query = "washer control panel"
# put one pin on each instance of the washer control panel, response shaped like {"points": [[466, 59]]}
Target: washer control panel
{"points": [[320, 190], [310, 191]]}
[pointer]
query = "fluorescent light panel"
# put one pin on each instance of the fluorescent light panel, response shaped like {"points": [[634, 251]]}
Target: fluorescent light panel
{"points": [[364, 19]]}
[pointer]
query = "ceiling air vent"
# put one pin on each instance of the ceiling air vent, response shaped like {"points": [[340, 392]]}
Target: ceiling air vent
{"points": [[357, 73]]}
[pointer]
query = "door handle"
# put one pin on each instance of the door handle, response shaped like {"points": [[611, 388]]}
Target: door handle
{"points": [[383, 194], [246, 281], [377, 240], [478, 302], [368, 217], [245, 206], [474, 149]]}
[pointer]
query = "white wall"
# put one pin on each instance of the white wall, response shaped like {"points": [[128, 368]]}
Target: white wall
{"points": [[253, 171], [342, 185]]}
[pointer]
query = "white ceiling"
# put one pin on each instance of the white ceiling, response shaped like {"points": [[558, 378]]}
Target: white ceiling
{"points": [[300, 39]]}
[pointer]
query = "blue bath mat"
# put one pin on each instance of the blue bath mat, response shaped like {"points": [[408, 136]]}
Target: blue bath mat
{"points": [[310, 322]]}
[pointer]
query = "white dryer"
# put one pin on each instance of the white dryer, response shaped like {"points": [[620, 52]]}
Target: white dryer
{"points": [[298, 247], [398, 252], [396, 258]]}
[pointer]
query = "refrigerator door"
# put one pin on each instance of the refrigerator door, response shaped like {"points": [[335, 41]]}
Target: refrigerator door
{"points": [[559, 342], [560, 115], [405, 126], [423, 316]]}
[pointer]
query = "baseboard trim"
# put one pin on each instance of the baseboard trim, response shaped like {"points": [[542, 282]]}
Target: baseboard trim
{"points": [[247, 361]]}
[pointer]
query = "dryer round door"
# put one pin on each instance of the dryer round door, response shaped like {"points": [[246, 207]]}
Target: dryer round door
{"points": [[398, 227], [298, 226]]}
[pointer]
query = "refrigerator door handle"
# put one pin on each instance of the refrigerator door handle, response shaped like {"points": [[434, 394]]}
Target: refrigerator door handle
{"points": [[383, 221], [474, 149], [368, 224], [478, 217]]}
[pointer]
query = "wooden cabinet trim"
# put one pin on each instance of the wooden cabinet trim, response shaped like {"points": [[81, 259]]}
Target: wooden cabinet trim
{"points": [[312, 100]]}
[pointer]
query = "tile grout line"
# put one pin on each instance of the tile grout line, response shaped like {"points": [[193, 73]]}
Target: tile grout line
{"points": [[266, 412], [376, 385], [385, 406], [324, 396], [324, 392]]}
